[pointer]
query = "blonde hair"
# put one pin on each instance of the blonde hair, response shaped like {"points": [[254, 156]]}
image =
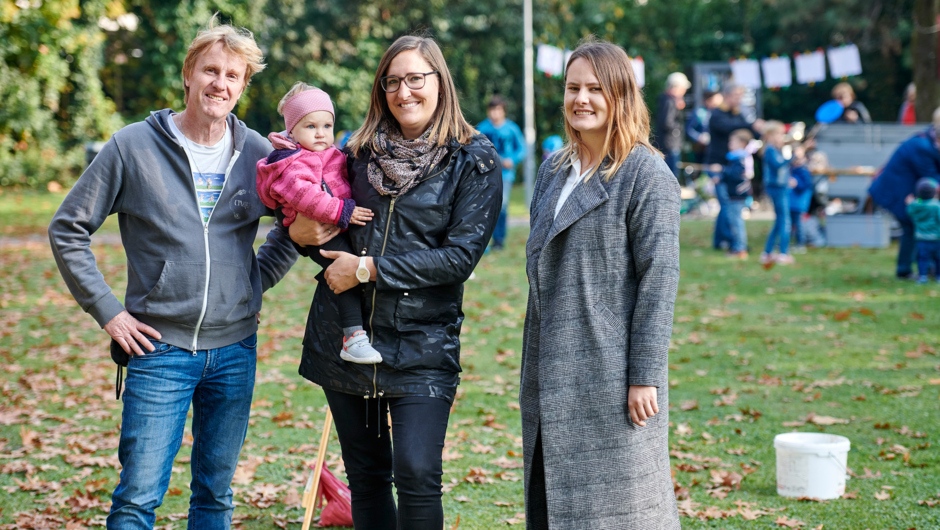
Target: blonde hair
{"points": [[448, 121], [770, 127], [842, 89], [818, 160], [239, 42], [742, 135], [936, 120], [629, 121], [298, 87]]}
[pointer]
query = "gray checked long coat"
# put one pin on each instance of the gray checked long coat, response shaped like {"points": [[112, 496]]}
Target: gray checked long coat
{"points": [[603, 277]]}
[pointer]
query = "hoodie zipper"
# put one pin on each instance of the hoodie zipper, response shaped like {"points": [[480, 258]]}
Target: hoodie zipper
{"points": [[388, 224], [205, 232]]}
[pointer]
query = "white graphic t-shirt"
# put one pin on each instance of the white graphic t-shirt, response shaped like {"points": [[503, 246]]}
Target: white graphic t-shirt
{"points": [[208, 165]]}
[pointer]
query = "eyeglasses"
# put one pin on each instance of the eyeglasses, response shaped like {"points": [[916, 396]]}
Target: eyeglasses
{"points": [[414, 81]]}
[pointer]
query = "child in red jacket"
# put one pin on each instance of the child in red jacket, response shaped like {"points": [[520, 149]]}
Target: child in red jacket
{"points": [[306, 175]]}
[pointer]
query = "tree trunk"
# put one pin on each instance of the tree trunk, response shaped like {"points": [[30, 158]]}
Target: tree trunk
{"points": [[924, 51]]}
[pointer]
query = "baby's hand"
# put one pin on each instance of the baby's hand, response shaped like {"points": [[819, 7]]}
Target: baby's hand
{"points": [[360, 216]]}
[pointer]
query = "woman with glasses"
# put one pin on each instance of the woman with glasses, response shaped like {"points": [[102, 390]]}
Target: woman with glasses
{"points": [[435, 187]]}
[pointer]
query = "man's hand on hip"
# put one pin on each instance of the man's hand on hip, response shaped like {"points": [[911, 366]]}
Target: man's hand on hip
{"points": [[129, 333]]}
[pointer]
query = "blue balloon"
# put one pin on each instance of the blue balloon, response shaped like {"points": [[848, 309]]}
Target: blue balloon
{"points": [[829, 111]]}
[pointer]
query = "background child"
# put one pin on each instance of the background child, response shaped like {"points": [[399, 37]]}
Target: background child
{"points": [[777, 182], [736, 175], [924, 211], [800, 196], [306, 175]]}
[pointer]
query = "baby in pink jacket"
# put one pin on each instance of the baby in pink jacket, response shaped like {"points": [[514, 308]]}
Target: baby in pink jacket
{"points": [[306, 175]]}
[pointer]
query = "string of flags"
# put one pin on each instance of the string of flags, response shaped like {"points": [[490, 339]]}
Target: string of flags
{"points": [[844, 61], [551, 60], [771, 72]]}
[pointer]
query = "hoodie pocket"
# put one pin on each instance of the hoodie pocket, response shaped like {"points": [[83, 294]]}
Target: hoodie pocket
{"points": [[230, 295], [177, 295]]}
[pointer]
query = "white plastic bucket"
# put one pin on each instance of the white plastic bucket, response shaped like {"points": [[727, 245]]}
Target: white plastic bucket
{"points": [[811, 464]]}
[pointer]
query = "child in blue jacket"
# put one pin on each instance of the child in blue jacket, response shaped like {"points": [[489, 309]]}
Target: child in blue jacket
{"points": [[800, 196], [736, 175], [777, 182]]}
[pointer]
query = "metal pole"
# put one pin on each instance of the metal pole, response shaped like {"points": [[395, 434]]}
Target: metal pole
{"points": [[529, 67]]}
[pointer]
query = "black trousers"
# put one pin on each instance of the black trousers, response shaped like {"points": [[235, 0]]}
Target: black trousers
{"points": [[348, 302], [373, 462], [536, 509]]}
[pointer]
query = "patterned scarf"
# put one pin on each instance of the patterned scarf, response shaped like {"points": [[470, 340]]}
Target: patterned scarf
{"points": [[397, 164]]}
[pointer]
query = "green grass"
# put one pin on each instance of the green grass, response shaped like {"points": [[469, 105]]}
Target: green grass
{"points": [[816, 337]]}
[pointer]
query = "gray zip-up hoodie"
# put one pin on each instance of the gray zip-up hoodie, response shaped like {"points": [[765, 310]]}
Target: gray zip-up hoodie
{"points": [[199, 285]]}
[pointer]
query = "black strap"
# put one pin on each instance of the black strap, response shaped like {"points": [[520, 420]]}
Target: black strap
{"points": [[119, 382]]}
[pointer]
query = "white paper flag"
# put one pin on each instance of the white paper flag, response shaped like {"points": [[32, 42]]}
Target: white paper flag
{"points": [[639, 69], [550, 60], [746, 73], [810, 67], [777, 73], [844, 61]]}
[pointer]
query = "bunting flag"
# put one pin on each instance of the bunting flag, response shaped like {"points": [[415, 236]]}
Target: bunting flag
{"points": [[550, 60], [844, 61], [777, 73], [639, 70], [746, 73], [810, 67]]}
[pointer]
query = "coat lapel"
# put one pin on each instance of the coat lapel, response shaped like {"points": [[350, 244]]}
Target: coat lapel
{"points": [[546, 209], [584, 198]]}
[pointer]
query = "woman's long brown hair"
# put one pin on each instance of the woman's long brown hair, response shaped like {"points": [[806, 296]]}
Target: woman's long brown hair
{"points": [[448, 121], [629, 121]]}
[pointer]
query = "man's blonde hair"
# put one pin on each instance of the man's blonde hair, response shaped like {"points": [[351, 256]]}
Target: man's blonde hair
{"points": [[239, 42]]}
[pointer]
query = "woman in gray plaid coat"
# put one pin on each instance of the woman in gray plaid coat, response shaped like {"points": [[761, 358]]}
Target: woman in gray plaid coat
{"points": [[603, 269]]}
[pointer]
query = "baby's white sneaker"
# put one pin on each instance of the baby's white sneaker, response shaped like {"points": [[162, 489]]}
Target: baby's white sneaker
{"points": [[357, 349]]}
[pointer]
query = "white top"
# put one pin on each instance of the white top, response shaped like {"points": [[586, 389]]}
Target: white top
{"points": [[575, 177], [208, 164]]}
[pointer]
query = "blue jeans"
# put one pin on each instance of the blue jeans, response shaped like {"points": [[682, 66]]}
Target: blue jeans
{"points": [[928, 257], [738, 231], [672, 160], [499, 233], [781, 229], [907, 249], [722, 224], [796, 222], [414, 462], [158, 391]]}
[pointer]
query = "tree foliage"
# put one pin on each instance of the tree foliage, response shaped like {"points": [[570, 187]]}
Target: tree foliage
{"points": [[50, 56], [70, 75]]}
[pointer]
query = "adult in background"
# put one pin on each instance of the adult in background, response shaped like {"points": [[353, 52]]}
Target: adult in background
{"points": [[183, 186], [603, 269], [510, 145], [854, 111], [696, 127], [918, 157], [669, 119], [907, 115], [724, 120], [435, 187]]}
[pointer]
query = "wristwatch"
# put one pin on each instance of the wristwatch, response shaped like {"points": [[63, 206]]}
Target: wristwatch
{"points": [[362, 273]]}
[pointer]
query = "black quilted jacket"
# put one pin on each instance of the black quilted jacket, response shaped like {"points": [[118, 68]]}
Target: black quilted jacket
{"points": [[425, 244]]}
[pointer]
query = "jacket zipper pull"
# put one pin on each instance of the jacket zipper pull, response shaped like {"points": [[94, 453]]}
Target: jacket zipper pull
{"points": [[378, 415]]}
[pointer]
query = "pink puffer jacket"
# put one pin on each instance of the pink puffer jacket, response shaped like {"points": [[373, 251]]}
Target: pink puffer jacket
{"points": [[296, 183]]}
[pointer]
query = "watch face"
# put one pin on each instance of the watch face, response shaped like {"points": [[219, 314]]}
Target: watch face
{"points": [[362, 274]]}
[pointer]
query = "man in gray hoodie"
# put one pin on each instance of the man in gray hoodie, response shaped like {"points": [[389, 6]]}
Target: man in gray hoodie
{"points": [[184, 189]]}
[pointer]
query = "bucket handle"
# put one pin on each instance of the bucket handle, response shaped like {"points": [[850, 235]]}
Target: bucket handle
{"points": [[838, 463]]}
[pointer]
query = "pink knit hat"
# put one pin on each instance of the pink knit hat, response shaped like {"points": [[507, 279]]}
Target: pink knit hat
{"points": [[304, 103]]}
